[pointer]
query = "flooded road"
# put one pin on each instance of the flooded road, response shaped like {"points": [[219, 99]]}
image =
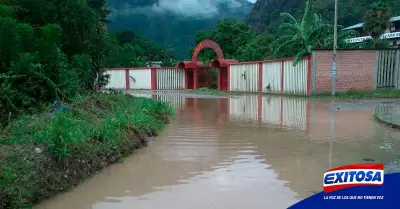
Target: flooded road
{"points": [[244, 152]]}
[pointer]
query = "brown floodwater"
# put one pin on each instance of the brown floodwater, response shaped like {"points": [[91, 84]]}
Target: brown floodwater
{"points": [[244, 152]]}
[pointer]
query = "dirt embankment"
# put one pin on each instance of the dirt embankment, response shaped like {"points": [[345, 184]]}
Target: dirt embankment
{"points": [[43, 155]]}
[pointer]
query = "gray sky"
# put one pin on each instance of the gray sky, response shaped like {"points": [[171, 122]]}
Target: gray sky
{"points": [[184, 7]]}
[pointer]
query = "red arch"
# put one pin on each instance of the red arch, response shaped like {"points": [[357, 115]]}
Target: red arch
{"points": [[207, 44]]}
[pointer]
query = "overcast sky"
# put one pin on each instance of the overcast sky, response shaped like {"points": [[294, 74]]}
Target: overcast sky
{"points": [[184, 7]]}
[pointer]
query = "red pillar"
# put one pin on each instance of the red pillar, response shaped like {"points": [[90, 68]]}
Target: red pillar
{"points": [[228, 88], [219, 79], [186, 79], [309, 76], [127, 79], [195, 79], [153, 78], [260, 76], [282, 75], [259, 111]]}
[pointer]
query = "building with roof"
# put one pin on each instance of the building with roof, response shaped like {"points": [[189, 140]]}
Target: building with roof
{"points": [[392, 33]]}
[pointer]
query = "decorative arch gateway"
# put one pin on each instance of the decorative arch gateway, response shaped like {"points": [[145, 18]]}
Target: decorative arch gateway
{"points": [[192, 67]]}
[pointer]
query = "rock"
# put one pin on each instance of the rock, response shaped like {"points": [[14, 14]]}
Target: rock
{"points": [[65, 176], [38, 150], [113, 159]]}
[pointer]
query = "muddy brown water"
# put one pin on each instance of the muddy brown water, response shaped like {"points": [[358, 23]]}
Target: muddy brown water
{"points": [[245, 152]]}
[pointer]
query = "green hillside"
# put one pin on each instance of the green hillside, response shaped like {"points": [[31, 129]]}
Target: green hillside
{"points": [[265, 14], [174, 28]]}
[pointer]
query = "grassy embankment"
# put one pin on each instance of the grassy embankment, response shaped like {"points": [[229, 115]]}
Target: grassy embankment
{"points": [[43, 155], [384, 94]]}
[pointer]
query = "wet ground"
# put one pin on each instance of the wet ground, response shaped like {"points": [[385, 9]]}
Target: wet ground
{"points": [[243, 152]]}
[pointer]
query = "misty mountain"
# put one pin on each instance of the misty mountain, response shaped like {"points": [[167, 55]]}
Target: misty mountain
{"points": [[173, 23]]}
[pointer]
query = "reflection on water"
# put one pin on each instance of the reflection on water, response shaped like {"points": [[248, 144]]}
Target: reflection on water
{"points": [[244, 152]]}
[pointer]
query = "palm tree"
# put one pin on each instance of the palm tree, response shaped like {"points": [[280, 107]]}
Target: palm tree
{"points": [[304, 35], [376, 20]]}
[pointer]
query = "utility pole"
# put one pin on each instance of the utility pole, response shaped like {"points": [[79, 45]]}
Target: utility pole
{"points": [[334, 50]]}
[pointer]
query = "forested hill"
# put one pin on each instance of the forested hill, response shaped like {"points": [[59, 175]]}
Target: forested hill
{"points": [[265, 14], [173, 23]]}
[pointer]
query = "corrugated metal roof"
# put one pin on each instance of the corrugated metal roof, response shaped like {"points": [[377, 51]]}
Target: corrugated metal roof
{"points": [[395, 19], [360, 25]]}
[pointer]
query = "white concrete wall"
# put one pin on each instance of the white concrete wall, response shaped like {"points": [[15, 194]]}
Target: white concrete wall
{"points": [[272, 76], [247, 83], [244, 107], [142, 78], [295, 78], [170, 78], [271, 110], [117, 79]]}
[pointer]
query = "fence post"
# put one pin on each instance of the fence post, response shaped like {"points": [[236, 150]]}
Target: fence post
{"points": [[308, 75], [219, 80], [282, 75], [127, 79], [260, 76], [229, 78], [396, 69], [376, 71], [313, 72], [195, 79], [153, 78]]}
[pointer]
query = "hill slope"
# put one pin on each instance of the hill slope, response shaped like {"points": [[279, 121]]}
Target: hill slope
{"points": [[173, 22], [265, 14]]}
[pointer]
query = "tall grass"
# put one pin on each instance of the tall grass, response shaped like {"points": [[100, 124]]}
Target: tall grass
{"points": [[43, 154]]}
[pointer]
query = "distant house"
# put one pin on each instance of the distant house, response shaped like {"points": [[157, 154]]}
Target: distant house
{"points": [[392, 33], [154, 64]]}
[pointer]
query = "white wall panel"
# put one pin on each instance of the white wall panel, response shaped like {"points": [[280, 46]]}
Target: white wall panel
{"points": [[244, 77], [117, 79], [140, 78], [170, 78], [272, 76]]}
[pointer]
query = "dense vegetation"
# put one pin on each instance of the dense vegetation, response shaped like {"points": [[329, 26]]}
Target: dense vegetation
{"points": [[298, 36], [127, 48], [174, 28], [42, 155], [265, 14], [178, 30], [58, 49]]}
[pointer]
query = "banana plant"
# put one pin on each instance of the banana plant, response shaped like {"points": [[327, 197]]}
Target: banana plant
{"points": [[303, 36]]}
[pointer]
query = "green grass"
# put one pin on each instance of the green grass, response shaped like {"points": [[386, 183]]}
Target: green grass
{"points": [[209, 92], [361, 94], [43, 155]]}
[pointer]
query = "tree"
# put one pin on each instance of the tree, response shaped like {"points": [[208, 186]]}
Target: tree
{"points": [[259, 48], [376, 21], [229, 34], [303, 36]]}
